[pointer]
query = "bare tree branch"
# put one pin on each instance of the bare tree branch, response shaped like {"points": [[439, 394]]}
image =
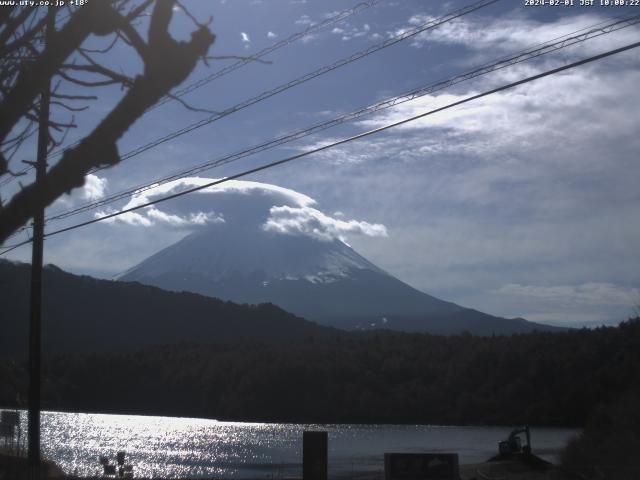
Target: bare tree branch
{"points": [[115, 77], [167, 63], [191, 107], [12, 24], [24, 38], [86, 83], [101, 50], [136, 12], [132, 38], [92, 18], [195, 21], [69, 107]]}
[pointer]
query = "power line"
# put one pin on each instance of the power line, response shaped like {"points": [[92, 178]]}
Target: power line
{"points": [[309, 76], [321, 71], [270, 49], [300, 80], [10, 178], [341, 142], [241, 63], [593, 31], [596, 30], [344, 14], [17, 245], [504, 62]]}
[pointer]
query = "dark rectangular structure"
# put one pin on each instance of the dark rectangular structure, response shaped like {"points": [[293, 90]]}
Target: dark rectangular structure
{"points": [[421, 466], [314, 455], [10, 417]]}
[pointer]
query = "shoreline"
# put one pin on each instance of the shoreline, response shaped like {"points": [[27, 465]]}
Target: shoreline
{"points": [[294, 422], [514, 469], [357, 450]]}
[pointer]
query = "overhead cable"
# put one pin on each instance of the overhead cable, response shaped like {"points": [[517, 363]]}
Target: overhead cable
{"points": [[504, 62], [338, 143], [311, 29], [404, 35]]}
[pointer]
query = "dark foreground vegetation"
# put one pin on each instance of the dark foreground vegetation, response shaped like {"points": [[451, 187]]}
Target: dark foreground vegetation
{"points": [[609, 445], [537, 378]]}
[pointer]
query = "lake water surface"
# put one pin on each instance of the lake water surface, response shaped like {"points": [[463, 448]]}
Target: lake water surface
{"points": [[193, 447]]}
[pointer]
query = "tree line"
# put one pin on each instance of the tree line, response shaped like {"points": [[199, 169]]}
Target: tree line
{"points": [[539, 378]]}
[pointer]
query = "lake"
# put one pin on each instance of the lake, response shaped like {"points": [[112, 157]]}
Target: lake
{"points": [[193, 447]]}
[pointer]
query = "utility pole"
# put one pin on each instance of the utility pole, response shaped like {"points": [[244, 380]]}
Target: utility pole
{"points": [[35, 320]]}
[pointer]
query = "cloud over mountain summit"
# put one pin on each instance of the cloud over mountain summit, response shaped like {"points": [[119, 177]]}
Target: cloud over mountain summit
{"points": [[244, 205]]}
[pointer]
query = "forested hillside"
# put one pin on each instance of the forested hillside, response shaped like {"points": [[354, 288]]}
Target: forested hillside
{"points": [[536, 378], [84, 314]]}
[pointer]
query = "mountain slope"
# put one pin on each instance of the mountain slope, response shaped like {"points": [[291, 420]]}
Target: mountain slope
{"points": [[322, 280], [83, 314]]}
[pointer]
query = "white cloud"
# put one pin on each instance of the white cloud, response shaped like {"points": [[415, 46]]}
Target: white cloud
{"points": [[240, 187], [585, 294], [308, 38], [270, 34], [511, 33], [94, 187], [349, 153], [193, 219], [553, 117], [251, 204], [349, 31], [245, 37], [588, 304], [151, 217], [129, 218], [311, 222], [304, 20]]}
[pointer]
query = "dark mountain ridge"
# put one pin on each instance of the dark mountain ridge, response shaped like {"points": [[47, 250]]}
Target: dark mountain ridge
{"points": [[84, 314]]}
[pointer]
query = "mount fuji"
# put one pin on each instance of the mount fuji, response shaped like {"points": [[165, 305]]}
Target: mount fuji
{"points": [[257, 243]]}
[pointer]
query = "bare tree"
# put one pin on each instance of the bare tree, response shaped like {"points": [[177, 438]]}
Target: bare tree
{"points": [[28, 64]]}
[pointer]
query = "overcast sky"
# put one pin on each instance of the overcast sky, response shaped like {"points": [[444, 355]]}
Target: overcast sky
{"points": [[523, 203]]}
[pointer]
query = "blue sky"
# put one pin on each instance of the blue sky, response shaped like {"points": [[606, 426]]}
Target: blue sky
{"points": [[520, 204]]}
